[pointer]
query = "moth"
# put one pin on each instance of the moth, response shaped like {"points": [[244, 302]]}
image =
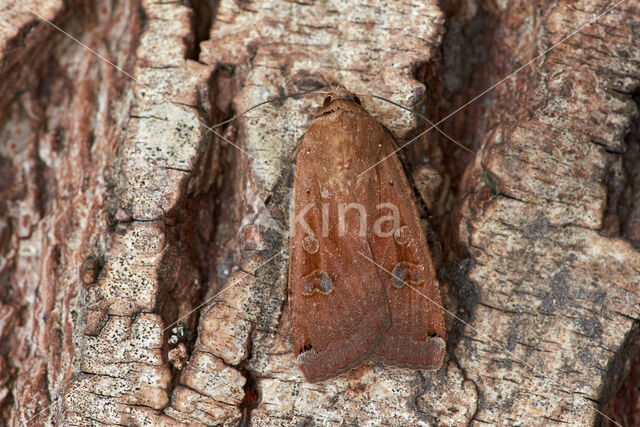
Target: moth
{"points": [[361, 281]]}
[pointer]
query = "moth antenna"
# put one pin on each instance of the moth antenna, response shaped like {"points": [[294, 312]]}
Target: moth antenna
{"points": [[278, 98], [327, 83], [422, 116]]}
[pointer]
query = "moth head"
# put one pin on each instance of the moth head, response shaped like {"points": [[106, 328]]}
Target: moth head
{"points": [[341, 93]]}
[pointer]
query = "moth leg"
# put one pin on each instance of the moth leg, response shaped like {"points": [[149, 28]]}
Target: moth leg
{"points": [[296, 150]]}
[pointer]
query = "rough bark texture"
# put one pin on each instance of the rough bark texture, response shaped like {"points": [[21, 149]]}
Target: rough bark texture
{"points": [[143, 259]]}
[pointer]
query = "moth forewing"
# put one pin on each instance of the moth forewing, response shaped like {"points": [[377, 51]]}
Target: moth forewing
{"points": [[417, 334], [351, 283], [338, 307]]}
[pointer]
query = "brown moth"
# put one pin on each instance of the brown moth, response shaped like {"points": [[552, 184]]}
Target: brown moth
{"points": [[361, 280]]}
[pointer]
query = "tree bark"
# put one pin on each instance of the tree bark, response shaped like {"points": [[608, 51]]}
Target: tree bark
{"points": [[143, 254]]}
